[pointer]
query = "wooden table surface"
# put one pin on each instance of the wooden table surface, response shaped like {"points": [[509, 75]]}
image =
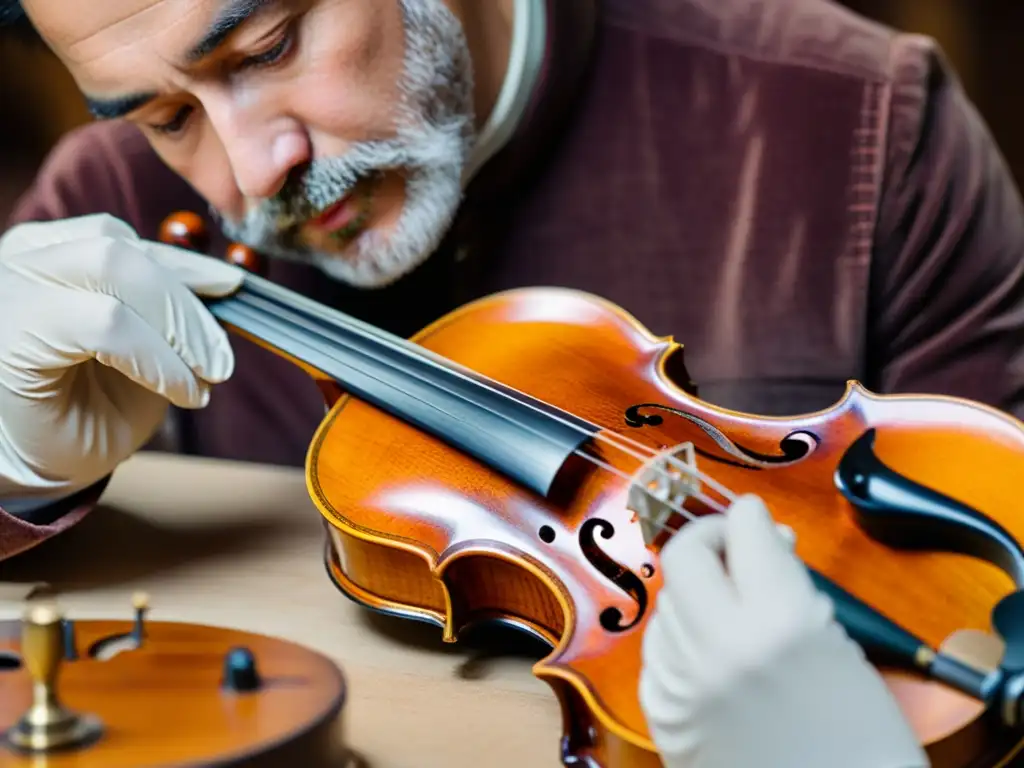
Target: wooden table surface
{"points": [[240, 545]]}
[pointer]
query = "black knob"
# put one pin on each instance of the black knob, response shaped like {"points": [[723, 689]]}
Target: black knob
{"points": [[240, 670]]}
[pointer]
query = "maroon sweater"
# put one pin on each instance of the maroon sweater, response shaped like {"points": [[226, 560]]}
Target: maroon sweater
{"points": [[799, 195]]}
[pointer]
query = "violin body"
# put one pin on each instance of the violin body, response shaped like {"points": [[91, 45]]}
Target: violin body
{"points": [[420, 530], [511, 461], [165, 701]]}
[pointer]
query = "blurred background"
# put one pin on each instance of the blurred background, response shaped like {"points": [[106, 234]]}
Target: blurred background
{"points": [[981, 37]]}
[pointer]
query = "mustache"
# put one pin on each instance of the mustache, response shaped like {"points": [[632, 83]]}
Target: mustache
{"points": [[313, 188], [318, 185]]}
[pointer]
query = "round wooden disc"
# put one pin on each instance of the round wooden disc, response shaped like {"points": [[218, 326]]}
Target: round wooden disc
{"points": [[163, 704]]}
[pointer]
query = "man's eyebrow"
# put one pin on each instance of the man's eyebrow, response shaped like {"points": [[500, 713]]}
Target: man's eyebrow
{"points": [[233, 15], [119, 106]]}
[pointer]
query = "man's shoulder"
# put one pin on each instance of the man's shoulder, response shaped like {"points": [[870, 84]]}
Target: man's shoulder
{"points": [[104, 167], [817, 34], [103, 148]]}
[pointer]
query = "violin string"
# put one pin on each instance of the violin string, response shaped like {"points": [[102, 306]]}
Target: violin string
{"points": [[263, 315], [269, 291], [677, 508], [699, 495], [263, 289], [675, 462]]}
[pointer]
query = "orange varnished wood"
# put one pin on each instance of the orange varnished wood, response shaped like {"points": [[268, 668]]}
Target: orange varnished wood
{"points": [[185, 230], [188, 230], [162, 704], [245, 257], [418, 529]]}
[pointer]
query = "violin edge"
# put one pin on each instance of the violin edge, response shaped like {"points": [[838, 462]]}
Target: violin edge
{"points": [[570, 688], [853, 389]]}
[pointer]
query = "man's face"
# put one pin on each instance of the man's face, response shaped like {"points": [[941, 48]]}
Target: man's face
{"points": [[331, 131]]}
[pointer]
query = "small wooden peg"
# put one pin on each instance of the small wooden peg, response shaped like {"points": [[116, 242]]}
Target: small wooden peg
{"points": [[245, 257], [185, 230]]}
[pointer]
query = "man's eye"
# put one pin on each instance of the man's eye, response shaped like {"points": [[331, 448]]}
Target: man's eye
{"points": [[272, 55], [176, 123]]}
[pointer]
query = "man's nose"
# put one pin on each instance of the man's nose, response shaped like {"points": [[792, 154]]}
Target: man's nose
{"points": [[261, 168], [262, 152]]}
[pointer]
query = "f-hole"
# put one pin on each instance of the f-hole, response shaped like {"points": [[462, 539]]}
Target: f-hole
{"points": [[623, 578]]}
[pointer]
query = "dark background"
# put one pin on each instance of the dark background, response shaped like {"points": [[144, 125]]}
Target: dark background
{"points": [[981, 37]]}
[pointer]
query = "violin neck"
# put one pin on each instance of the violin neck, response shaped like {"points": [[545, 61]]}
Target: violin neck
{"points": [[523, 438]]}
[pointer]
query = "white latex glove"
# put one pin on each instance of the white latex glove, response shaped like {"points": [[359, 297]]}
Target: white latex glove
{"points": [[745, 667], [100, 331]]}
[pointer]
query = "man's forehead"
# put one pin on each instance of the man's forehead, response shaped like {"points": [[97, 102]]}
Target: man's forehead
{"points": [[88, 31]]}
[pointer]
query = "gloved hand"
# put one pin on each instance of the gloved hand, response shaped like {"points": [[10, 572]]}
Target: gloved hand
{"points": [[100, 331], [745, 667]]}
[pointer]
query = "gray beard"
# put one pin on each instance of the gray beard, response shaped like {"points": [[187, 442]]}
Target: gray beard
{"points": [[432, 143]]}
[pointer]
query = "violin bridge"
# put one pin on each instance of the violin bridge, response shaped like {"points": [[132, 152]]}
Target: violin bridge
{"points": [[661, 486]]}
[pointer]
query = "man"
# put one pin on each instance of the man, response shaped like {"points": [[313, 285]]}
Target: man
{"points": [[799, 195]]}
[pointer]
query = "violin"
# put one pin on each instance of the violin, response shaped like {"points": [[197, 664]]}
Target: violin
{"points": [[523, 459], [120, 694]]}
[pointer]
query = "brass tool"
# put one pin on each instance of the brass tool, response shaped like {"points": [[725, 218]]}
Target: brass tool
{"points": [[48, 725]]}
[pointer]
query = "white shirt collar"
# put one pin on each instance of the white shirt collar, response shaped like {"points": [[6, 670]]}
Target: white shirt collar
{"points": [[529, 33]]}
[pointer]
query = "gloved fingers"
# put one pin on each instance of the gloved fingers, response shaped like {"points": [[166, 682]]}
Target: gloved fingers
{"points": [[74, 437], [205, 275], [672, 722], [33, 235], [696, 582], [715, 533], [658, 652], [788, 535], [761, 561], [666, 684], [94, 325], [139, 353], [122, 270], [668, 639], [706, 532]]}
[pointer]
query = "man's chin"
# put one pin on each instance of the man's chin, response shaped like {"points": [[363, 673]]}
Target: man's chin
{"points": [[343, 243], [366, 262]]}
